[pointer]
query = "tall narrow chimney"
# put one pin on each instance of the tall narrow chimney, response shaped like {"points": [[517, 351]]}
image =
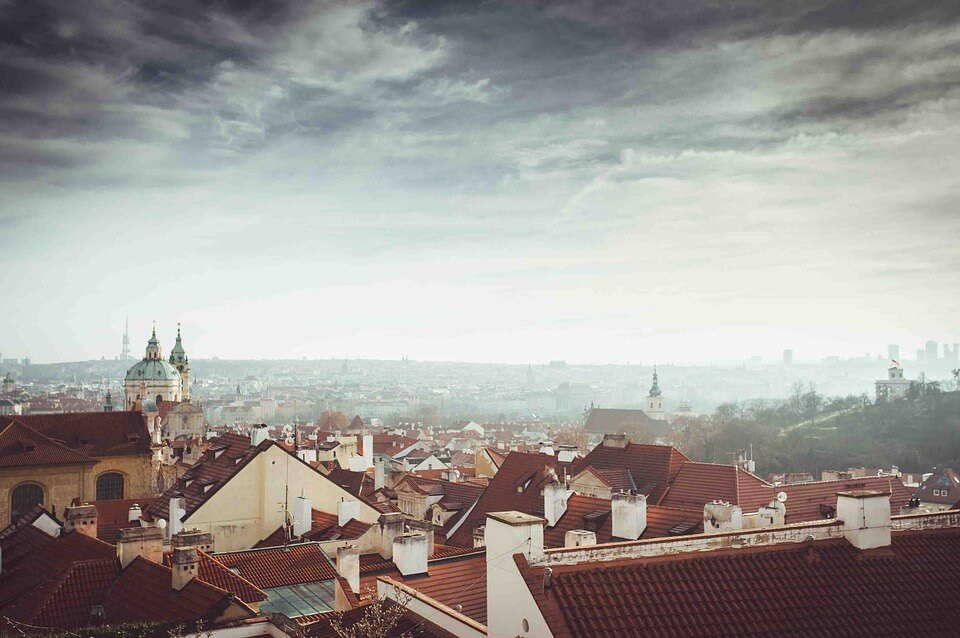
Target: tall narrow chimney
{"points": [[866, 517], [368, 449], [379, 477], [348, 566], [629, 513], [139, 541], [302, 516], [555, 497], [82, 518], [258, 434], [185, 563], [176, 513], [391, 526]]}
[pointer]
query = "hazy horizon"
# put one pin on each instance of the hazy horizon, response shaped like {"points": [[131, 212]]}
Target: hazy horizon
{"points": [[504, 182]]}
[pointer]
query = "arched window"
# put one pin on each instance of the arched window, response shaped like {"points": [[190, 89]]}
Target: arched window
{"points": [[109, 486], [23, 499]]}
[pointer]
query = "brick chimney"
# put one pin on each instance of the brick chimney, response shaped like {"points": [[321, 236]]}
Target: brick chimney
{"points": [[391, 526], [629, 513], [193, 538], [139, 541], [866, 517], [720, 516], [555, 497], [82, 518], [302, 516], [185, 564], [410, 553], [579, 538]]}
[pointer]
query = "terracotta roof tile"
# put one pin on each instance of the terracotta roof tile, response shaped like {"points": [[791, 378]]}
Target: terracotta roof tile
{"points": [[593, 514], [95, 433], [279, 566], [143, 593], [112, 516], [824, 588], [697, 484], [652, 467], [212, 571], [21, 445]]}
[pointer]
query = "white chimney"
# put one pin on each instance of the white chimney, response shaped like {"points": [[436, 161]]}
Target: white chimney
{"points": [[185, 563], [579, 538], [555, 497], [629, 513], [176, 512], [378, 475], [772, 515], [720, 516], [134, 513], [348, 566], [258, 434], [410, 553], [302, 516], [368, 449], [507, 534], [346, 511], [866, 517]]}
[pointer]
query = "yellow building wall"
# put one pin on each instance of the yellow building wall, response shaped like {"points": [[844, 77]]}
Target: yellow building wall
{"points": [[61, 484], [248, 508], [139, 475]]}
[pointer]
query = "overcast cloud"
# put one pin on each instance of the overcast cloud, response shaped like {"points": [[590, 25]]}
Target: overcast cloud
{"points": [[515, 181]]}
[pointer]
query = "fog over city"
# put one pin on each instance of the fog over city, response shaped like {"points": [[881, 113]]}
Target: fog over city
{"points": [[494, 182]]}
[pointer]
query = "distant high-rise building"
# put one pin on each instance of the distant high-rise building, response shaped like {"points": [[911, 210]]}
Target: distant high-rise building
{"points": [[788, 357], [893, 351], [921, 355], [951, 354], [931, 348]]}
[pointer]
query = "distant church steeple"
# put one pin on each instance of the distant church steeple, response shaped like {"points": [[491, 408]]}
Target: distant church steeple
{"points": [[180, 361], [655, 400]]}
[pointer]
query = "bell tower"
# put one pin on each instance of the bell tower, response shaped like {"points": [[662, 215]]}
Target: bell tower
{"points": [[655, 400], [180, 361]]}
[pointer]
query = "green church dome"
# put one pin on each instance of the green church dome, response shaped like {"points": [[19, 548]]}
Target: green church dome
{"points": [[152, 370]]}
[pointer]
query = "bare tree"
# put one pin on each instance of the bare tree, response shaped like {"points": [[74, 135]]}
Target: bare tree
{"points": [[379, 620]]}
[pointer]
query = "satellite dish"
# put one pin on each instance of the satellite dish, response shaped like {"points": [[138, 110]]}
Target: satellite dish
{"points": [[782, 497]]}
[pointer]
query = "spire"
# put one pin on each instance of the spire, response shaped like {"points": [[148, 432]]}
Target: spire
{"points": [[178, 354], [655, 390], [153, 346]]}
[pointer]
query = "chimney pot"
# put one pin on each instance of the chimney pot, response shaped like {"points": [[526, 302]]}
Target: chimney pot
{"points": [[134, 513]]}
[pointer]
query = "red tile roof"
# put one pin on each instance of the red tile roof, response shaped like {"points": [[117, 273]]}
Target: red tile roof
{"points": [[461, 580], [593, 514], [822, 588], [517, 486], [212, 571], [357, 483], [95, 433], [21, 445], [143, 593], [279, 566], [699, 483], [67, 601], [618, 479], [653, 467], [817, 500], [374, 564]]}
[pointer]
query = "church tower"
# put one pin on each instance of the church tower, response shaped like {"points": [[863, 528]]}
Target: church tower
{"points": [[179, 360], [655, 400]]}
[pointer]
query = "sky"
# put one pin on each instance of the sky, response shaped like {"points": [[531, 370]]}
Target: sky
{"points": [[514, 181]]}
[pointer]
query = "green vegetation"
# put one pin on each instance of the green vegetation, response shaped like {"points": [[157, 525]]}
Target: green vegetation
{"points": [[811, 433]]}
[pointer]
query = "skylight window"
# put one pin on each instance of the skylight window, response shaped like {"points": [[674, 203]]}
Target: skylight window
{"points": [[301, 599]]}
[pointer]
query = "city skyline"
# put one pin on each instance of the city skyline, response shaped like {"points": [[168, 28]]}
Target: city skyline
{"points": [[480, 182]]}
